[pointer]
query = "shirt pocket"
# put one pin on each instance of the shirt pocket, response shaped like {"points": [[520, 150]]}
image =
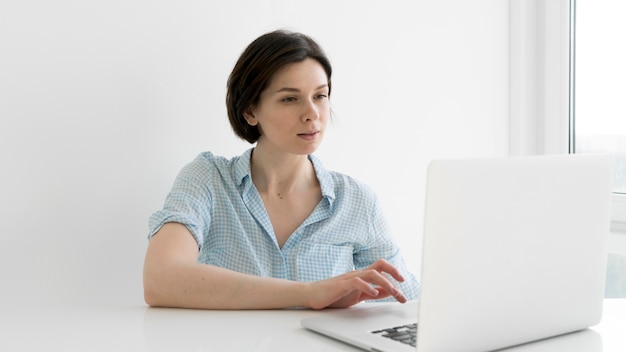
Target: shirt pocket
{"points": [[318, 261]]}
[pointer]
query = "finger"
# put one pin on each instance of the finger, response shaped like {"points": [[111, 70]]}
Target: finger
{"points": [[382, 265], [397, 294], [376, 278], [364, 286]]}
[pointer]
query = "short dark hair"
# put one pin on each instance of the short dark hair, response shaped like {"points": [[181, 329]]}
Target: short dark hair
{"points": [[257, 65]]}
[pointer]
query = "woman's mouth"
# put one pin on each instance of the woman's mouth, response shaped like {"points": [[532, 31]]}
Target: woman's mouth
{"points": [[309, 136]]}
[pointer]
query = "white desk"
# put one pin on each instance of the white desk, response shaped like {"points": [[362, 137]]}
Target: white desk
{"points": [[139, 328]]}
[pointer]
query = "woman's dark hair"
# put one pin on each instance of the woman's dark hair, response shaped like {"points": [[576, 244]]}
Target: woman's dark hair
{"points": [[257, 65]]}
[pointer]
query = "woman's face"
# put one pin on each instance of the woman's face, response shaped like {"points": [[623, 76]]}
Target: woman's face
{"points": [[293, 110]]}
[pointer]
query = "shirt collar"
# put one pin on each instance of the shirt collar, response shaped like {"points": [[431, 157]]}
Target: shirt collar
{"points": [[242, 167], [325, 179], [242, 171]]}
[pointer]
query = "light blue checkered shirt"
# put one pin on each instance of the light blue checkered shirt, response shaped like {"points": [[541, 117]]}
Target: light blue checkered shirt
{"points": [[215, 199]]}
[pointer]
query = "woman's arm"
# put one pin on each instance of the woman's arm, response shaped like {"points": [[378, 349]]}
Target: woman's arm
{"points": [[174, 278]]}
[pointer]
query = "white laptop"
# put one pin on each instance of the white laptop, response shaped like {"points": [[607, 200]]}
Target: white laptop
{"points": [[514, 250]]}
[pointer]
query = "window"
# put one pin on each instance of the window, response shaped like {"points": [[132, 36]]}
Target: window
{"points": [[599, 87], [598, 122]]}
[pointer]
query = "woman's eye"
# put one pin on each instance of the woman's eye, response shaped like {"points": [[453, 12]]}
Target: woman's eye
{"points": [[322, 96], [289, 99]]}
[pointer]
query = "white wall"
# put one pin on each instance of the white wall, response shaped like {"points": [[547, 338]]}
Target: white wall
{"points": [[102, 102]]}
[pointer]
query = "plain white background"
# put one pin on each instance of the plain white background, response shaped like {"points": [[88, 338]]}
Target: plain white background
{"points": [[102, 103]]}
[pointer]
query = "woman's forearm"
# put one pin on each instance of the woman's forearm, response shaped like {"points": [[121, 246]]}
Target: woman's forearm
{"points": [[194, 285]]}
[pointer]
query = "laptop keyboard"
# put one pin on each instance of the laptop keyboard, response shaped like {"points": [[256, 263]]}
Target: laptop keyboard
{"points": [[406, 334]]}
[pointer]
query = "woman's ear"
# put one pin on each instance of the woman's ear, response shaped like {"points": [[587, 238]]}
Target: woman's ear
{"points": [[249, 116]]}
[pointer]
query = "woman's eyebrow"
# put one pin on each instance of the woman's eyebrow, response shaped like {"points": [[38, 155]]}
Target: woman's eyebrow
{"points": [[297, 90]]}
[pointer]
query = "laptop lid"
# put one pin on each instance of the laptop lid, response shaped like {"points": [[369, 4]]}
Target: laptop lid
{"points": [[514, 250]]}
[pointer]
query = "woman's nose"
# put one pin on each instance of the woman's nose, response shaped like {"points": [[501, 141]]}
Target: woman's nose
{"points": [[311, 111]]}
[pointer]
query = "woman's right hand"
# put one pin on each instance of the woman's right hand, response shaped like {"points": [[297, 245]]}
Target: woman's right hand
{"points": [[356, 286]]}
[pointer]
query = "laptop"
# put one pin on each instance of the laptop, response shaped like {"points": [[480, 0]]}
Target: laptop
{"points": [[514, 250]]}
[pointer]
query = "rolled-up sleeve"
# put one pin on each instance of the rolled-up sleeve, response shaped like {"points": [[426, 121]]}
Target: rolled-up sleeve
{"points": [[187, 203]]}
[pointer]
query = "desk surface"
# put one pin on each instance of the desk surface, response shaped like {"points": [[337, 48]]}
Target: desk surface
{"points": [[139, 328]]}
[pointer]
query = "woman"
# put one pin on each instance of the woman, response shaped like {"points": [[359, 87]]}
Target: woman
{"points": [[272, 228]]}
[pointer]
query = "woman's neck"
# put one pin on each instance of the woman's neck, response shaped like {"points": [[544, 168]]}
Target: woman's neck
{"points": [[281, 174]]}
